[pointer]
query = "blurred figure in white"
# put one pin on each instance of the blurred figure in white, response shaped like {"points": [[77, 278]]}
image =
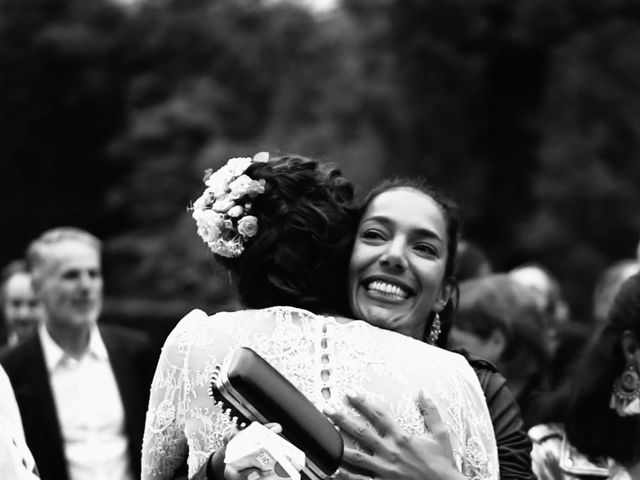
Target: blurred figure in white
{"points": [[548, 298], [546, 288], [16, 461], [608, 285], [21, 308]]}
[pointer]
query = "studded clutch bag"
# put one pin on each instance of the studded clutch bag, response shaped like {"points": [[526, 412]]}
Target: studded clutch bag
{"points": [[251, 390]]}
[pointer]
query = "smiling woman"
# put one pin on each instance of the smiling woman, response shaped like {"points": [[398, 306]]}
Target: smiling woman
{"points": [[401, 278], [401, 268], [397, 269]]}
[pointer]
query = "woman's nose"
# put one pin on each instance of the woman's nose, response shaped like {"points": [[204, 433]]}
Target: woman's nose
{"points": [[394, 257]]}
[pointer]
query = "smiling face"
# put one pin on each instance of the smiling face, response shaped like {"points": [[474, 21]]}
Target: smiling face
{"points": [[397, 268], [71, 284]]}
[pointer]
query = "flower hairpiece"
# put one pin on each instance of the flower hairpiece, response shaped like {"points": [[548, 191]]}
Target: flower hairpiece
{"points": [[222, 211]]}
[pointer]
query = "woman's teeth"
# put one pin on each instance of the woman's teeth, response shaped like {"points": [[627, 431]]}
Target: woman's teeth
{"points": [[387, 289]]}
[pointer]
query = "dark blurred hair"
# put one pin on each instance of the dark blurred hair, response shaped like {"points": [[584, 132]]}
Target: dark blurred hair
{"points": [[471, 261], [450, 212], [572, 340], [307, 223], [593, 427], [497, 301]]}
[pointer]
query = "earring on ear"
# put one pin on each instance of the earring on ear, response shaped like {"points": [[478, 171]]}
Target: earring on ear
{"points": [[434, 331], [625, 398]]}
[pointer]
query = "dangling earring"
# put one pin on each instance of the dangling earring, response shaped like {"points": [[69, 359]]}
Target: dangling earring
{"points": [[436, 328], [625, 398]]}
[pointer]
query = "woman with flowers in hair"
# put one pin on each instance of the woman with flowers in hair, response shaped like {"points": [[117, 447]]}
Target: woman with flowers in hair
{"points": [[284, 228]]}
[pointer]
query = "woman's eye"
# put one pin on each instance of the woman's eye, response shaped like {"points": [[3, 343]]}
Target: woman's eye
{"points": [[372, 234], [426, 249]]}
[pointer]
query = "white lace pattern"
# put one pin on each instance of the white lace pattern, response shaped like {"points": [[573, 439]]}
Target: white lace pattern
{"points": [[324, 359]]}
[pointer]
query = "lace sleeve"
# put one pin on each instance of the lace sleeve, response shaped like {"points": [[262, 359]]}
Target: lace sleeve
{"points": [[470, 420], [164, 445]]}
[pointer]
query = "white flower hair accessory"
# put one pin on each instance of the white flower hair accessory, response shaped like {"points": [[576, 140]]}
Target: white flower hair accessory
{"points": [[222, 211]]}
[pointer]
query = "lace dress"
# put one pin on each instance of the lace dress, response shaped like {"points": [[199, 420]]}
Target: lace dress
{"points": [[323, 358]]}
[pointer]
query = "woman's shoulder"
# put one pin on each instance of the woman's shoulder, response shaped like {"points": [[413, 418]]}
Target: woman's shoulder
{"points": [[442, 355], [200, 324], [197, 326], [202, 338], [415, 351], [197, 319]]}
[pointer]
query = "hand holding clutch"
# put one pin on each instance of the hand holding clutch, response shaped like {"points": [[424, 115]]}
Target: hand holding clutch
{"points": [[250, 389], [258, 447]]}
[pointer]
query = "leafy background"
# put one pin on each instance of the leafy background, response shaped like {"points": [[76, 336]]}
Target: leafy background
{"points": [[527, 111]]}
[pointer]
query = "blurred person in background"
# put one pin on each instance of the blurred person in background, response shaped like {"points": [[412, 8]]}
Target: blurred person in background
{"points": [[608, 285], [81, 390], [547, 294], [564, 337], [498, 321], [16, 461], [596, 429], [471, 261], [21, 308]]}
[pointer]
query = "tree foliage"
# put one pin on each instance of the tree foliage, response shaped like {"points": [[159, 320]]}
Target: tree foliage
{"points": [[61, 103], [526, 110]]}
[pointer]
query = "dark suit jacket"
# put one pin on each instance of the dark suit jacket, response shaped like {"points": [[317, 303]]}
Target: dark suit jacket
{"points": [[132, 361]]}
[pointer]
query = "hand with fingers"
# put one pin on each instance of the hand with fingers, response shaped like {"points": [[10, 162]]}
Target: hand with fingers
{"points": [[394, 454], [250, 472], [253, 469], [216, 469]]}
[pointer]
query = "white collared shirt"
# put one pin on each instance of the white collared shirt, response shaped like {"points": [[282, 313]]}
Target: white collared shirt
{"points": [[89, 410]]}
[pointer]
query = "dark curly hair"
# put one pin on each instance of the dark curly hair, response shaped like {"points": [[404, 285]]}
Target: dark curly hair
{"points": [[300, 255], [593, 427], [450, 211]]}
